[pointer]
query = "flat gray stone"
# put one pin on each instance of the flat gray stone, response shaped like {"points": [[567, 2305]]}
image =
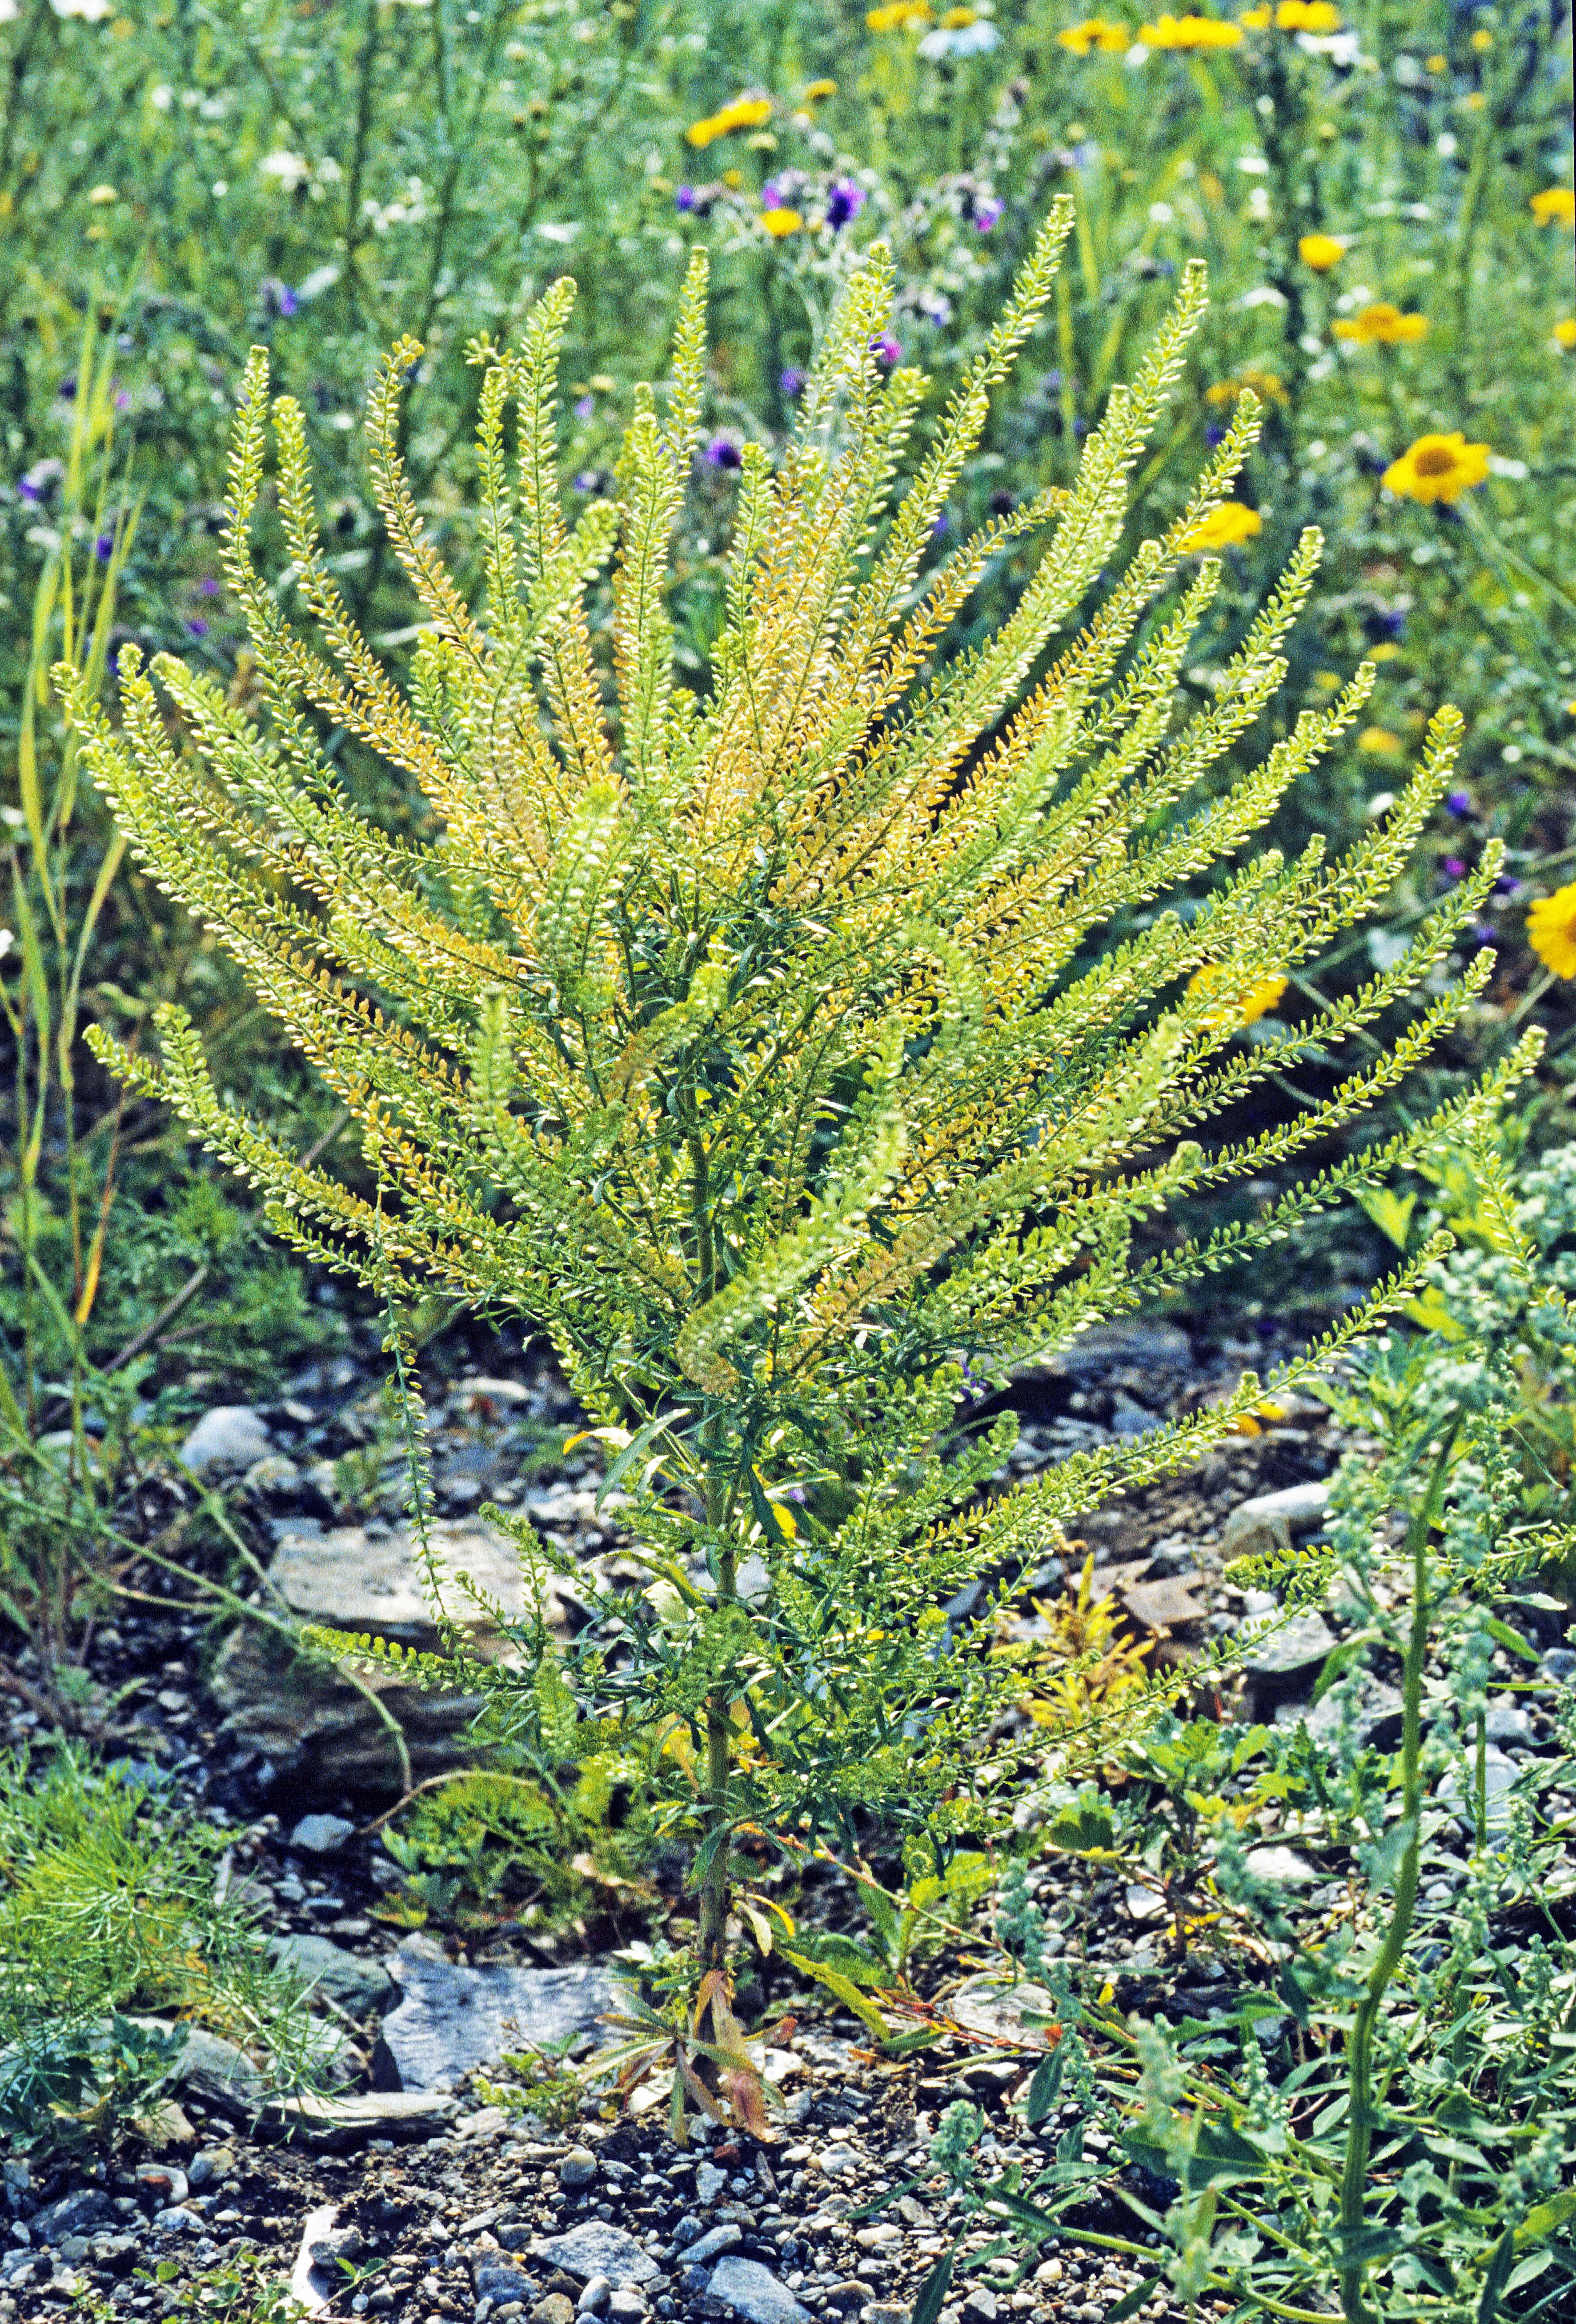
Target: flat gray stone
{"points": [[596, 2248], [1264, 1527], [352, 1984], [332, 2123], [753, 2292], [1376, 1716], [987, 2007], [451, 2020], [714, 2244], [1130, 1340], [229, 1436], [1297, 1646], [1284, 1866], [1499, 1773], [322, 1835]]}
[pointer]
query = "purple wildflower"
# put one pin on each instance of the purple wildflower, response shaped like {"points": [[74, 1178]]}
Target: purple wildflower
{"points": [[722, 452], [1507, 884], [38, 481], [104, 548], [208, 586], [122, 401], [844, 204], [585, 407], [197, 629], [1213, 435], [940, 526], [771, 195], [791, 382], [684, 197], [988, 213], [887, 348], [586, 479], [1453, 868], [69, 387], [1458, 803]]}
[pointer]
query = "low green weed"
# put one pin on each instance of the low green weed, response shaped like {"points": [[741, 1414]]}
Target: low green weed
{"points": [[107, 1910]]}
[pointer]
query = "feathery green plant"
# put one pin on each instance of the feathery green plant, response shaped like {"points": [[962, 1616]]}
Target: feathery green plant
{"points": [[762, 1045]]}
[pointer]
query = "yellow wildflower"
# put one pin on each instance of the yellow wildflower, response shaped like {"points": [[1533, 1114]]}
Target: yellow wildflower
{"points": [[1266, 385], [1379, 743], [1223, 528], [1383, 326], [1307, 16], [817, 89], [1246, 1007], [1565, 333], [1555, 205], [102, 195], [1437, 469], [1550, 930], [1093, 32], [1321, 252], [733, 180], [1437, 64], [1191, 32], [1256, 18], [898, 16], [958, 20], [1482, 38], [781, 222]]}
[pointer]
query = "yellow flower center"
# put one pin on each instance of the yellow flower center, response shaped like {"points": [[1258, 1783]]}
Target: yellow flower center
{"points": [[1434, 460]]}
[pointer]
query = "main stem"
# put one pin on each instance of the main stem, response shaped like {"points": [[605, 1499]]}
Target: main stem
{"points": [[713, 1892], [1359, 2120]]}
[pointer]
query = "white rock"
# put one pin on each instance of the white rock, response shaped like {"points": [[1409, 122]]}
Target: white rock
{"points": [[714, 2244], [320, 1835], [596, 2248], [1282, 1865], [227, 1436], [1264, 1527]]}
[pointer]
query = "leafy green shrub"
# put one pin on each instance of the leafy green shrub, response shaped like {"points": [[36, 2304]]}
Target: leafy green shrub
{"points": [[107, 1909], [763, 1046]]}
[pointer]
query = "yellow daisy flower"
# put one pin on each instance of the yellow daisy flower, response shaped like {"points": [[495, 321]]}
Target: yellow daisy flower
{"points": [[1256, 18], [1555, 205], [1191, 32], [1266, 385], [1437, 469], [1223, 528], [1550, 930], [781, 222], [1093, 32], [1379, 743], [818, 89], [898, 16], [1383, 326], [1565, 333], [1307, 16], [1247, 1008], [1321, 252]]}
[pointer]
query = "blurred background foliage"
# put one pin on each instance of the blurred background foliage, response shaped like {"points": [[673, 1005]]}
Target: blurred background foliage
{"points": [[1383, 196]]}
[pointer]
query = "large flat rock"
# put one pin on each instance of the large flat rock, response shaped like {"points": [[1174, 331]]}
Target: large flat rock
{"points": [[451, 2020], [595, 2247], [314, 1727]]}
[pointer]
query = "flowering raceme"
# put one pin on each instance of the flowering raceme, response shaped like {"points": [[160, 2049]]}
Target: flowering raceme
{"points": [[1383, 326], [1437, 469]]}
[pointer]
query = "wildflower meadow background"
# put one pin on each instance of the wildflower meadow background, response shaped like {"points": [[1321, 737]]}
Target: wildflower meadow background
{"points": [[1342, 2087]]}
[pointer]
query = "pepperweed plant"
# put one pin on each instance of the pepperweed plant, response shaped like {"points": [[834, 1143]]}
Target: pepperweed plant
{"points": [[784, 1047]]}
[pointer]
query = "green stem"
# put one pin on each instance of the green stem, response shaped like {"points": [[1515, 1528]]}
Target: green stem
{"points": [[1482, 1781], [1359, 2056]]}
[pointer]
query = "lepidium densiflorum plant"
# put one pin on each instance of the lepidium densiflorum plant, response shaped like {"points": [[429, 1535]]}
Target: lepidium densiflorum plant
{"points": [[766, 1044]]}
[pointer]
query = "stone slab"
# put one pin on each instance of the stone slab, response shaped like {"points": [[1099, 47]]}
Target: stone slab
{"points": [[753, 2292], [595, 2247], [451, 2020]]}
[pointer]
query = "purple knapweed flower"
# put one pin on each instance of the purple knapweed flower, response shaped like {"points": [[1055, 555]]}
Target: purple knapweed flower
{"points": [[586, 407], [792, 381], [940, 526], [586, 480], [197, 629], [1458, 803], [1453, 868], [988, 213], [844, 204], [722, 452], [887, 348], [208, 586], [684, 197], [39, 480], [771, 195], [104, 548]]}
